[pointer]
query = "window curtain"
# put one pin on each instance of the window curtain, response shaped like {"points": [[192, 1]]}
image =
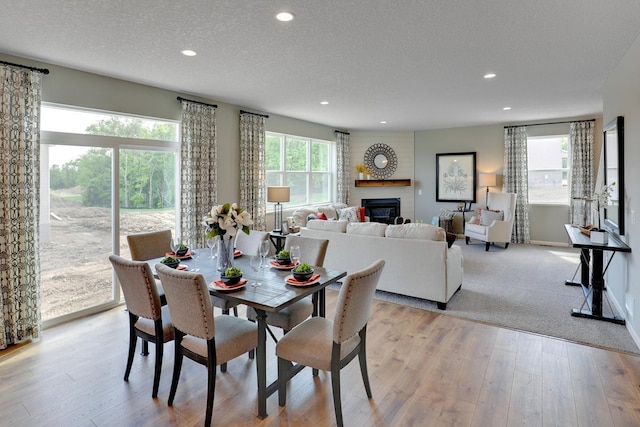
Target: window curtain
{"points": [[516, 179], [20, 99], [343, 167], [581, 139], [198, 178], [253, 168]]}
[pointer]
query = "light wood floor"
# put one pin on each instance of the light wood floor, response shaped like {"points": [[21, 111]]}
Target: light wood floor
{"points": [[426, 369]]}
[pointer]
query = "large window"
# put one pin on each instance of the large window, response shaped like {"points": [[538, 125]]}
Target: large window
{"points": [[548, 161], [304, 164], [78, 222]]}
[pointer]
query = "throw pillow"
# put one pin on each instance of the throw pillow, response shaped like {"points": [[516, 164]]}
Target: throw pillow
{"points": [[348, 214], [488, 216], [451, 238], [322, 216], [361, 213], [312, 216], [328, 211]]}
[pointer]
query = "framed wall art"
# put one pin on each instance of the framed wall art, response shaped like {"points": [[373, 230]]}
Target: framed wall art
{"points": [[456, 177]]}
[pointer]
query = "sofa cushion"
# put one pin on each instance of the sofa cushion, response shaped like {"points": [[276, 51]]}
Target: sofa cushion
{"points": [[334, 226], [351, 214], [476, 229], [487, 216], [300, 216], [328, 211], [416, 231], [367, 228]]}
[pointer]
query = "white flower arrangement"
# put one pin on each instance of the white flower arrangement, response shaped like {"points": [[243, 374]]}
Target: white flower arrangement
{"points": [[601, 198], [227, 219]]}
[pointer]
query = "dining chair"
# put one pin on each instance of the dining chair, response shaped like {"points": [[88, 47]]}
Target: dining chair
{"points": [[249, 244], [312, 251], [147, 318], [199, 335], [330, 345]]}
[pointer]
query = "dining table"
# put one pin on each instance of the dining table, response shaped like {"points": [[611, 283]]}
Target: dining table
{"points": [[272, 294]]}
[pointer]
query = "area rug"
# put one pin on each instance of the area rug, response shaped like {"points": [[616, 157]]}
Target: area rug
{"points": [[523, 288]]}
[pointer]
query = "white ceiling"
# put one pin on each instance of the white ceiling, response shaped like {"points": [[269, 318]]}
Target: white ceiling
{"points": [[417, 64]]}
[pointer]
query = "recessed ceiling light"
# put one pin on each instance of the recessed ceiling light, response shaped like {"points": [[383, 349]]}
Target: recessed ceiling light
{"points": [[189, 52], [506, 108], [489, 76], [285, 16], [383, 122], [324, 102]]}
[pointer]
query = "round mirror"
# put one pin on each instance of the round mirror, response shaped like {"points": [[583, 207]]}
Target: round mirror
{"points": [[381, 160]]}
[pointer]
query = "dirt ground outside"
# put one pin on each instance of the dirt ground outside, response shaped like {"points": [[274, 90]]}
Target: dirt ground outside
{"points": [[75, 268]]}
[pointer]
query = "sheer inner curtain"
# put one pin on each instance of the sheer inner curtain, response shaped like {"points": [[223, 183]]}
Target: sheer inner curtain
{"points": [[252, 167], [516, 175], [343, 167], [20, 100], [581, 139], [198, 178]]}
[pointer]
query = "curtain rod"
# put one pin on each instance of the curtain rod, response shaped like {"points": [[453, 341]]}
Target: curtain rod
{"points": [[40, 70], [551, 123], [197, 102], [255, 114], [339, 131]]}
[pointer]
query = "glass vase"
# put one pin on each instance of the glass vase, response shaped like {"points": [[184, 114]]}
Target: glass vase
{"points": [[225, 253]]}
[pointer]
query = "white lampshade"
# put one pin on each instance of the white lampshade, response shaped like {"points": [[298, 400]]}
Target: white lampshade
{"points": [[278, 194], [487, 180]]}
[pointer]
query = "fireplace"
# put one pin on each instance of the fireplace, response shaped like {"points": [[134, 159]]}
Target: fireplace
{"points": [[381, 210]]}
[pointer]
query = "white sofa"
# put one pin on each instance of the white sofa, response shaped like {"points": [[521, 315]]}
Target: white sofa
{"points": [[418, 262]]}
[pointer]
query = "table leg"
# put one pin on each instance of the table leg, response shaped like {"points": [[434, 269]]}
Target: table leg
{"points": [[597, 283], [261, 363]]}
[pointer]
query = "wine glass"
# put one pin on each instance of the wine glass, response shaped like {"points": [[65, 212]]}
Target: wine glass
{"points": [[295, 255], [195, 253], [256, 263], [265, 246], [175, 245], [211, 243]]}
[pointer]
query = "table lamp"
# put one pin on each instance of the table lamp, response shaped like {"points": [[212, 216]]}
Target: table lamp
{"points": [[487, 180], [278, 194]]}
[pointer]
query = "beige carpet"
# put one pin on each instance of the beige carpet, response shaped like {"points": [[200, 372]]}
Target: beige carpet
{"points": [[523, 288]]}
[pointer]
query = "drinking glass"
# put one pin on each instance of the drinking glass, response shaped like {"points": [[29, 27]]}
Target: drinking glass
{"points": [[256, 264], [195, 253], [211, 243], [295, 254], [175, 245], [265, 246]]}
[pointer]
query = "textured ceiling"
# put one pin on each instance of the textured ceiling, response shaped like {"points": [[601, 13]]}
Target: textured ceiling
{"points": [[416, 64]]}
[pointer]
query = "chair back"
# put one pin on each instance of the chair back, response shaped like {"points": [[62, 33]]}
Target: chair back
{"points": [[188, 300], [354, 302], [505, 202], [249, 244], [138, 286], [312, 250], [144, 246]]}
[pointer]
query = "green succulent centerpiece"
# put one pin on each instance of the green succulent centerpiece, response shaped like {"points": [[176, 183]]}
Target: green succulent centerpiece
{"points": [[231, 276], [302, 272], [283, 257], [170, 261]]}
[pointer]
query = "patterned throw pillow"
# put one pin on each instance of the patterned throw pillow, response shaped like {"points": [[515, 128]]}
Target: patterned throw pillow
{"points": [[322, 216], [349, 214]]}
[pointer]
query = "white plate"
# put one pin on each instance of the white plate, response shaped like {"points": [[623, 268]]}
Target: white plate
{"points": [[294, 283], [243, 283]]}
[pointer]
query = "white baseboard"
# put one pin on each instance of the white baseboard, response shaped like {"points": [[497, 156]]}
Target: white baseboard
{"points": [[620, 309], [543, 243]]}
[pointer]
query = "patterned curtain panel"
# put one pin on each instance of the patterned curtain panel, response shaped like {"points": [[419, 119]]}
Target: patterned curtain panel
{"points": [[581, 141], [343, 167], [20, 99], [198, 192], [516, 179], [252, 168]]}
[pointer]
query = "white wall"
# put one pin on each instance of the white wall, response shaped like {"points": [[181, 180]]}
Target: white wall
{"points": [[403, 145], [621, 97]]}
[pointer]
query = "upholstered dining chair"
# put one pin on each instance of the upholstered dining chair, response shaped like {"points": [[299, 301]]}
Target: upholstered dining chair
{"points": [[155, 244], [249, 244], [330, 345], [312, 251], [200, 336], [147, 318], [494, 224]]}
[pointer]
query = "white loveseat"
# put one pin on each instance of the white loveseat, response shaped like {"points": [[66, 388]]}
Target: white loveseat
{"points": [[418, 262]]}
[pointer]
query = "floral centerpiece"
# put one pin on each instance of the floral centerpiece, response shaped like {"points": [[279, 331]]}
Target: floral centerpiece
{"points": [[225, 221], [601, 199]]}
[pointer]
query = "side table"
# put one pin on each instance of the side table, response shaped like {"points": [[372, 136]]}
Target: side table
{"points": [[278, 239]]}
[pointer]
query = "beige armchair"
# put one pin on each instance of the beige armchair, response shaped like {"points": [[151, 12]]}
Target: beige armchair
{"points": [[491, 229]]}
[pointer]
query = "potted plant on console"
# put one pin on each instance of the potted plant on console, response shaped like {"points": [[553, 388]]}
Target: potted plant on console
{"points": [[601, 199]]}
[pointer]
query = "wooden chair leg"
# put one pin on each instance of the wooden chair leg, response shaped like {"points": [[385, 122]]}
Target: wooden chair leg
{"points": [[133, 339], [283, 376], [211, 381], [158, 368], [145, 348], [177, 366], [335, 385], [486, 246], [362, 356]]}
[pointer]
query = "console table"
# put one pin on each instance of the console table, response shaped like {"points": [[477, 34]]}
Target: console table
{"points": [[592, 254]]}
